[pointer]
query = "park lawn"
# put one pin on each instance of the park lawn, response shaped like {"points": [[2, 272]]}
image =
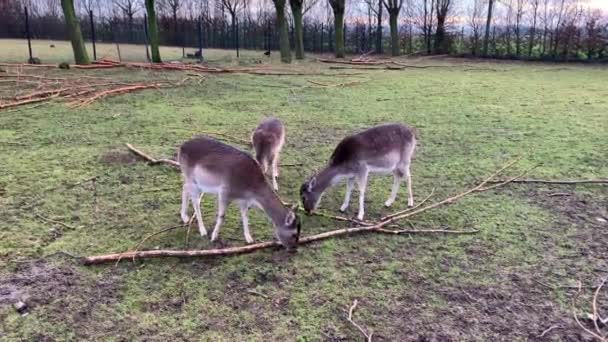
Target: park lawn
{"points": [[510, 281], [16, 51]]}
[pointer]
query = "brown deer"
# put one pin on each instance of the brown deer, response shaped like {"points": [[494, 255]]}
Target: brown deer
{"points": [[381, 149], [209, 166], [267, 140]]}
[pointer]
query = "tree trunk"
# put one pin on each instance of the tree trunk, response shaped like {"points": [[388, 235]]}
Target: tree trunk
{"points": [[488, 23], [532, 31], [153, 31], [283, 31], [440, 35], [379, 28], [393, 15], [338, 7], [73, 27], [296, 9]]}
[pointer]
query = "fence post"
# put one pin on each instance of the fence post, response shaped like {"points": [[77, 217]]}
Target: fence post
{"points": [[93, 34], [200, 38], [146, 39], [27, 32]]}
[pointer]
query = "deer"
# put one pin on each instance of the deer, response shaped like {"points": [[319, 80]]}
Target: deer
{"points": [[267, 141], [209, 166], [381, 149]]}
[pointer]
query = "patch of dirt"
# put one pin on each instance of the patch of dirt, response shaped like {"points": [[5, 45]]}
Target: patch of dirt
{"points": [[116, 157], [63, 294]]}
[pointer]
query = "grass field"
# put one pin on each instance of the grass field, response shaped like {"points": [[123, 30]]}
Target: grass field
{"points": [[511, 281], [16, 51]]}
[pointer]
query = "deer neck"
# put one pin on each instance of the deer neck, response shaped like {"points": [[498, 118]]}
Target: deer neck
{"points": [[272, 206], [328, 177]]}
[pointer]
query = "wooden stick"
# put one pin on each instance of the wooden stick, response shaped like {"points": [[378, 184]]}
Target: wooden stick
{"points": [[368, 336], [596, 314], [589, 331], [556, 181], [151, 159]]}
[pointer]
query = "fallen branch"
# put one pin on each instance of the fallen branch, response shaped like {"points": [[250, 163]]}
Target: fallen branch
{"points": [[150, 159], [556, 181], [377, 227], [595, 316], [54, 221], [368, 336]]}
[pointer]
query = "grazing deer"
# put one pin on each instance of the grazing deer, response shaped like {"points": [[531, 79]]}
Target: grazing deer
{"points": [[210, 166], [267, 140], [380, 149]]}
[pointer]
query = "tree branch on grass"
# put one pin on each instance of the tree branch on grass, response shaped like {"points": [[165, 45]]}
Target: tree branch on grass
{"points": [[595, 316], [557, 181], [368, 335]]}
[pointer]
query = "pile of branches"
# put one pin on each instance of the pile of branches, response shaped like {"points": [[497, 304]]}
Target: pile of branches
{"points": [[76, 91]]}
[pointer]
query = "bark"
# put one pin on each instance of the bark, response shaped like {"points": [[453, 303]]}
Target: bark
{"points": [[153, 31], [394, 33], [338, 7], [488, 24], [73, 28], [379, 28], [296, 10], [283, 30]]}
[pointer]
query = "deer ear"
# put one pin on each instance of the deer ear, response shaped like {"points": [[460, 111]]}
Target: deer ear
{"points": [[290, 218]]}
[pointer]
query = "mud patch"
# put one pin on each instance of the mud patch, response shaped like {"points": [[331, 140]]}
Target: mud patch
{"points": [[63, 294], [115, 157]]}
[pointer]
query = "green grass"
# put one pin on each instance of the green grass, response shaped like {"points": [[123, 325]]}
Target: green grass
{"points": [[476, 287], [16, 51]]}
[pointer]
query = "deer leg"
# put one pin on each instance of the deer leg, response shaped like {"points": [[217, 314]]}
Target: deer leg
{"points": [[410, 194], [350, 183], [397, 177], [195, 196], [221, 210], [244, 210], [185, 202], [275, 172], [362, 182]]}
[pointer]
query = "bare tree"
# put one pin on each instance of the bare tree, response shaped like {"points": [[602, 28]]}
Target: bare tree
{"points": [[519, 13], [534, 4], [486, 39], [279, 6], [233, 7], [442, 11], [393, 7], [376, 7], [338, 7], [129, 9], [475, 19]]}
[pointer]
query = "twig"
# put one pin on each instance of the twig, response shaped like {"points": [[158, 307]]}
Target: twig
{"points": [[253, 292], [556, 181], [368, 336], [589, 331], [596, 315], [151, 159], [53, 221], [559, 194], [548, 330]]}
